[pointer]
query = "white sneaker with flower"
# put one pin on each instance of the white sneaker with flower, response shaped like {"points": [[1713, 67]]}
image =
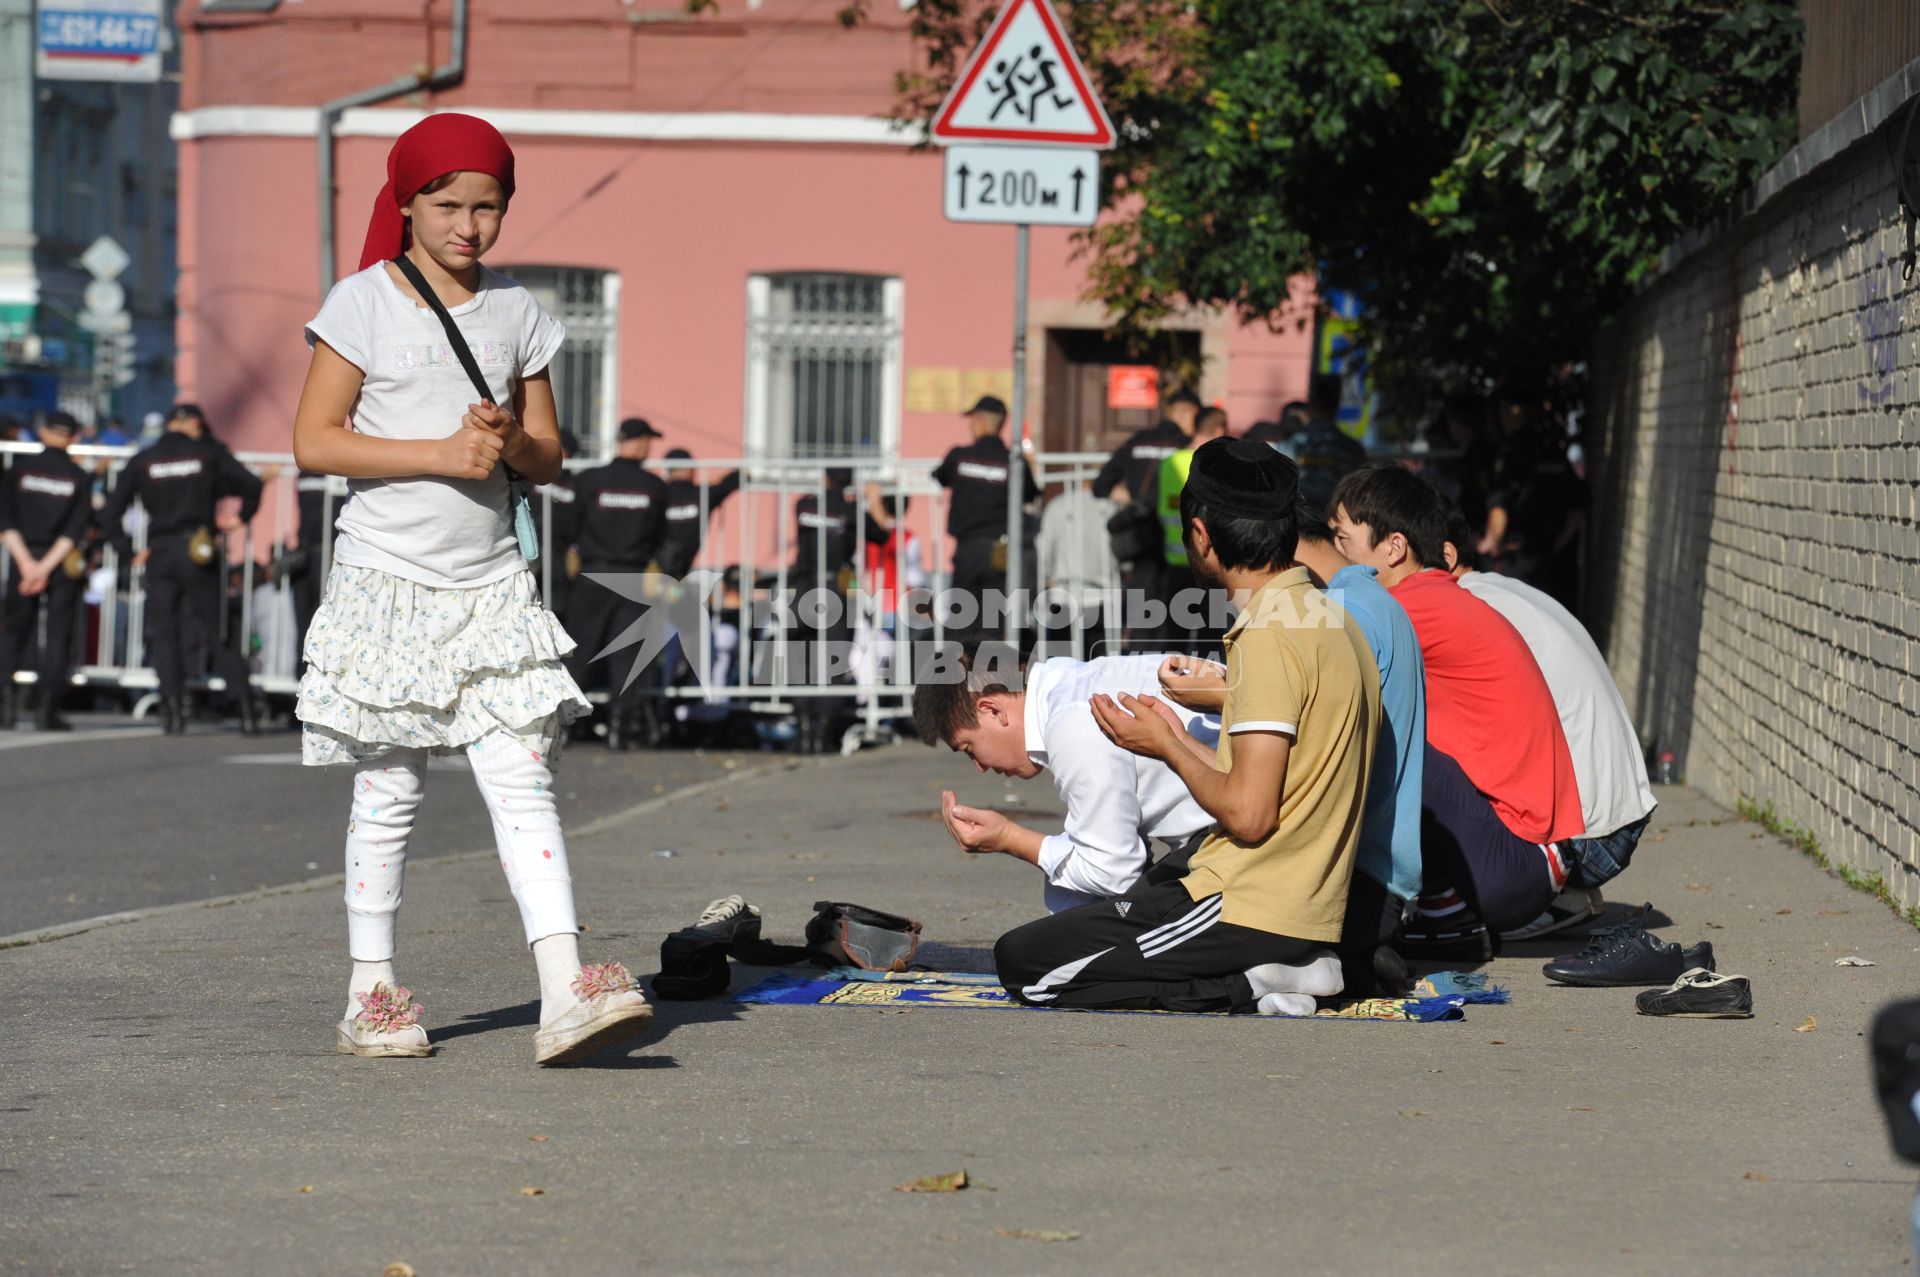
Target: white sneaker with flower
{"points": [[387, 1025], [610, 1009]]}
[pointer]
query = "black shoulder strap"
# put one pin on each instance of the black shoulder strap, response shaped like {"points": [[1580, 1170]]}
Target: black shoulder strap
{"points": [[454, 337]]}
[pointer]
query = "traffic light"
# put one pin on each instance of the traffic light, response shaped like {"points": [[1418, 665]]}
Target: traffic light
{"points": [[121, 363]]}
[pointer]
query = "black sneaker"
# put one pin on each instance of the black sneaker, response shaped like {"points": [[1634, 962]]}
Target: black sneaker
{"points": [[1627, 956], [1570, 908], [1702, 995], [1460, 934]]}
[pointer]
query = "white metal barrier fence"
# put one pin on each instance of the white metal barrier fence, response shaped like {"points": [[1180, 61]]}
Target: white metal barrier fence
{"points": [[753, 545]]}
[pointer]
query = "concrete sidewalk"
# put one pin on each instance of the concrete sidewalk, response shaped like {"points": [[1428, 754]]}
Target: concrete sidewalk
{"points": [[169, 1102]]}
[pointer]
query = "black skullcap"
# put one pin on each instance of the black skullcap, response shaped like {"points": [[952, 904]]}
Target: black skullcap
{"points": [[1242, 480]]}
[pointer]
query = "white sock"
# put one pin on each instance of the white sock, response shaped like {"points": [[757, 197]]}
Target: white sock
{"points": [[1287, 1004], [1318, 977], [365, 976], [558, 959]]}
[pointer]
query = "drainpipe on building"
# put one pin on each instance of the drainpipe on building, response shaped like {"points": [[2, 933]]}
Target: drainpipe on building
{"points": [[444, 77]]}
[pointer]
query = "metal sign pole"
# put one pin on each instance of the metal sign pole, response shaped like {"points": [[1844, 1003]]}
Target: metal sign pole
{"points": [[1016, 494]]}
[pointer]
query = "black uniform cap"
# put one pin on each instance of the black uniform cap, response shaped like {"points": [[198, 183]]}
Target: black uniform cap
{"points": [[990, 404], [638, 428], [1242, 480]]}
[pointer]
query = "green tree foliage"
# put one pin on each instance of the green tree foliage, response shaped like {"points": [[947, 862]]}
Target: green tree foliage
{"points": [[1489, 176]]}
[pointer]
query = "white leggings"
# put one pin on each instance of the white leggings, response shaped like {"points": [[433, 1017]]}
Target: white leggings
{"points": [[518, 789]]}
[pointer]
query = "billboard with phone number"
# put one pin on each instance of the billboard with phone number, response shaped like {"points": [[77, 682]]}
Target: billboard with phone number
{"points": [[119, 40]]}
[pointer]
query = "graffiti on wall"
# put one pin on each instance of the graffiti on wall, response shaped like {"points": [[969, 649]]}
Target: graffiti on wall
{"points": [[1879, 332]]}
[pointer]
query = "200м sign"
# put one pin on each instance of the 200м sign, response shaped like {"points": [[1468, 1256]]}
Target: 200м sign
{"points": [[1036, 185]]}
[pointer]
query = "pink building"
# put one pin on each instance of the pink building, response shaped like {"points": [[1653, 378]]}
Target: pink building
{"points": [[743, 250]]}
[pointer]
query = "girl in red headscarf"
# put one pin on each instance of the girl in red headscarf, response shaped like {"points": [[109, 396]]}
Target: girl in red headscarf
{"points": [[431, 637]]}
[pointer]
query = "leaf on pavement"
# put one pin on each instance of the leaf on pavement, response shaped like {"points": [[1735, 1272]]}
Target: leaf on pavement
{"points": [[1037, 1235], [1809, 1026], [1852, 960], [304, 1188], [398, 1268], [538, 1139], [951, 1183], [1756, 1175], [531, 1191]]}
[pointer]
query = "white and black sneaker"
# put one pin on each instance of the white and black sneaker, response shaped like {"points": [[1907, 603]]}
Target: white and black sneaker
{"points": [[1701, 995], [1571, 908]]}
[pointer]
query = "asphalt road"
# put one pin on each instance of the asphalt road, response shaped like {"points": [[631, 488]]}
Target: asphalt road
{"points": [[169, 1100], [116, 817]]}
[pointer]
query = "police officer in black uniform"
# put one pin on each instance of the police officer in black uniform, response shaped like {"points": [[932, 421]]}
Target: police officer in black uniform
{"points": [[1280, 434], [976, 475], [45, 507], [620, 512], [553, 516], [828, 527], [686, 519], [179, 481], [318, 504], [1132, 472], [1131, 480], [1324, 452]]}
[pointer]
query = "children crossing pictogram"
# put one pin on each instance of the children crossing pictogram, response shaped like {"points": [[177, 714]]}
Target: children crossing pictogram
{"points": [[1024, 84]]}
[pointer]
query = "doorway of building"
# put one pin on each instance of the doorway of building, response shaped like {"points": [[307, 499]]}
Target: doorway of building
{"points": [[1079, 414]]}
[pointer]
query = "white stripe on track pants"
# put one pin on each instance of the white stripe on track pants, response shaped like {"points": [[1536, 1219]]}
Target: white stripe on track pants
{"points": [[1155, 948]]}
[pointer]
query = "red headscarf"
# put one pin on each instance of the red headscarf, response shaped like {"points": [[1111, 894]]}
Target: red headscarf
{"points": [[439, 144]]}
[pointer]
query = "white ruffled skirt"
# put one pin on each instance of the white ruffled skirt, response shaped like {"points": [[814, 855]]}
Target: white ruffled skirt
{"points": [[393, 664]]}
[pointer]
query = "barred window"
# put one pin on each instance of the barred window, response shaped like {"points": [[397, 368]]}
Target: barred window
{"points": [[586, 372], [823, 366]]}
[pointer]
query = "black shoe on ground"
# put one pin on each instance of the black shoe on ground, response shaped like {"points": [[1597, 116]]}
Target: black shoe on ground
{"points": [[175, 712], [1627, 956], [49, 719], [1701, 995], [248, 710], [1456, 935], [1572, 907]]}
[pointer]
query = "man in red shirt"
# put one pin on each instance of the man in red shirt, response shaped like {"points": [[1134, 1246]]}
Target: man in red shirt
{"points": [[1499, 794]]}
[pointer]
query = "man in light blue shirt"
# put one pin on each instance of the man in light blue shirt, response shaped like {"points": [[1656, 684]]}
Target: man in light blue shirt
{"points": [[1387, 874]]}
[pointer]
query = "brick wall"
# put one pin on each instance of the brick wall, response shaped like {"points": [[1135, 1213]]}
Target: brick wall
{"points": [[1756, 570]]}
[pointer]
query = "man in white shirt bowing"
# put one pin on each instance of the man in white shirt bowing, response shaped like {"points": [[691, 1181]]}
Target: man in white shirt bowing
{"points": [[1116, 801]]}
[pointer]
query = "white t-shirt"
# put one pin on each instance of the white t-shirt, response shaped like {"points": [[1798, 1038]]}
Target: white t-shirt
{"points": [[1608, 765], [1115, 800], [437, 531]]}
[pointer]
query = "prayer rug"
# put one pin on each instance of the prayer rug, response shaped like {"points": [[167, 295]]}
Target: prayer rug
{"points": [[1436, 997]]}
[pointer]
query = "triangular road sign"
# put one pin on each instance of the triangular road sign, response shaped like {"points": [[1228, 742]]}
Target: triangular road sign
{"points": [[1024, 84]]}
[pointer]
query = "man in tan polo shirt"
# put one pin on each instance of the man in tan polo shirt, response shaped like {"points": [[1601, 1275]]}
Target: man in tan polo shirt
{"points": [[1250, 924]]}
